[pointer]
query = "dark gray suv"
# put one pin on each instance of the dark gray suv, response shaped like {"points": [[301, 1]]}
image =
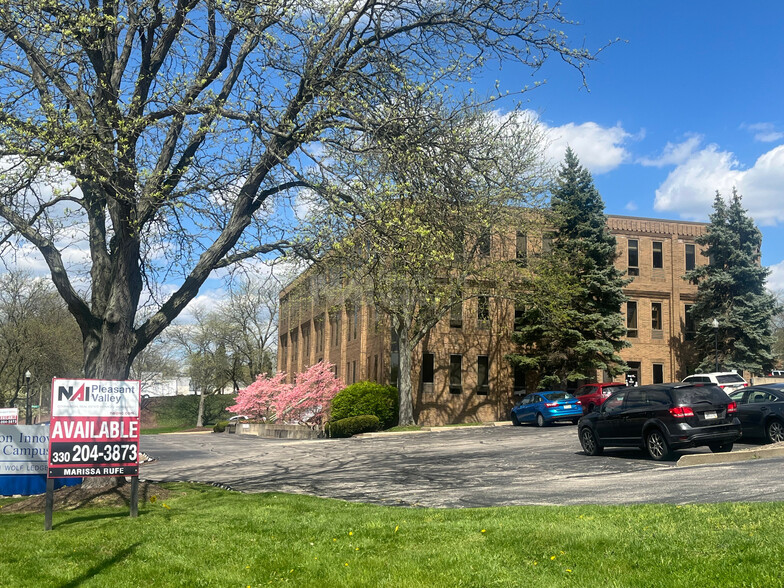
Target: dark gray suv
{"points": [[660, 418]]}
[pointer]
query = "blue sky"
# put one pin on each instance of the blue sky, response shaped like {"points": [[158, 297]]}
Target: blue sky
{"points": [[690, 102]]}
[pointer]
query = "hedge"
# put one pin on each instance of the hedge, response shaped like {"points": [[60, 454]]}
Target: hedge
{"points": [[365, 423], [365, 398]]}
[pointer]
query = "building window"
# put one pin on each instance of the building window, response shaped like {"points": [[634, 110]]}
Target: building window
{"points": [[356, 319], [547, 243], [353, 372], [633, 257], [375, 368], [455, 374], [658, 255], [484, 242], [428, 371], [519, 315], [656, 316], [483, 375], [483, 311], [518, 380], [691, 257], [658, 373], [689, 328], [456, 315], [633, 375], [521, 249], [631, 319]]}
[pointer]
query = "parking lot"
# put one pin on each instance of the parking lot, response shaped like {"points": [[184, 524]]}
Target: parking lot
{"points": [[457, 467]]}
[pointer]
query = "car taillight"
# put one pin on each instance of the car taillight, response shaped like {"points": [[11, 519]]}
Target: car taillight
{"points": [[732, 407], [550, 404], [680, 412]]}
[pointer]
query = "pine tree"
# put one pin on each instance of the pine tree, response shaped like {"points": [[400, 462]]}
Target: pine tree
{"points": [[571, 332], [731, 290]]}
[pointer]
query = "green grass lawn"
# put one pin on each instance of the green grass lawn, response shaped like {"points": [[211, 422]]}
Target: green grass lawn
{"points": [[204, 536]]}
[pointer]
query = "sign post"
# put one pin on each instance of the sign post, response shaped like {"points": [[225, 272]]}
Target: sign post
{"points": [[94, 432]]}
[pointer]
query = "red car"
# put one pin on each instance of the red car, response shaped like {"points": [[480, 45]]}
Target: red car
{"points": [[592, 395]]}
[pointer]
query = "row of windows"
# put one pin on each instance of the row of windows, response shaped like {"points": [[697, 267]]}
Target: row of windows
{"points": [[657, 257], [456, 373], [657, 320]]}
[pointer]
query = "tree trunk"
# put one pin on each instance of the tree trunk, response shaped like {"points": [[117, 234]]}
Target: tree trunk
{"points": [[200, 415], [405, 390]]}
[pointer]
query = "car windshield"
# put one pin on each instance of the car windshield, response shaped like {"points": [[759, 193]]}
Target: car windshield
{"points": [[697, 395], [730, 379], [557, 395]]}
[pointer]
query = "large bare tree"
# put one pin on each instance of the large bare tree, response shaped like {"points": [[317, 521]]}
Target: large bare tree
{"points": [[159, 137]]}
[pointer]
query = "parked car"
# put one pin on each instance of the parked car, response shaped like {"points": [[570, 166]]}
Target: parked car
{"points": [[727, 381], [544, 408], [238, 417], [761, 411], [661, 418], [592, 395]]}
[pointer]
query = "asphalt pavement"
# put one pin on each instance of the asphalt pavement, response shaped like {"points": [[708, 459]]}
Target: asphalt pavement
{"points": [[458, 467]]}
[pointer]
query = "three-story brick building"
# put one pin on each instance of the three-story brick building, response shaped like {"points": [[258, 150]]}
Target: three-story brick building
{"points": [[460, 373]]}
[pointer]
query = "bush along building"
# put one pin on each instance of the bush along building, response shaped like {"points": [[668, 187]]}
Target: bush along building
{"points": [[460, 370]]}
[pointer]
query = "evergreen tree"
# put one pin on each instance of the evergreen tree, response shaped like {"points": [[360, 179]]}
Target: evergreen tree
{"points": [[572, 325], [731, 289]]}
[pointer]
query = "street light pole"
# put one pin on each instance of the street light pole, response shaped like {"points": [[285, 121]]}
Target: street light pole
{"points": [[716, 342], [27, 376]]}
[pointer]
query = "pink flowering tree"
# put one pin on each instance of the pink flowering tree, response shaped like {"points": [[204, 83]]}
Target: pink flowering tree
{"points": [[270, 398], [308, 400], [258, 400]]}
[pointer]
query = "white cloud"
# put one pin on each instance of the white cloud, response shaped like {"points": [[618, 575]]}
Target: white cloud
{"points": [[776, 277], [631, 206], [600, 149], [674, 153], [690, 188], [764, 132]]}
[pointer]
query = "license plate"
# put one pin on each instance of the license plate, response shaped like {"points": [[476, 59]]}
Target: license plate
{"points": [[568, 406], [711, 414]]}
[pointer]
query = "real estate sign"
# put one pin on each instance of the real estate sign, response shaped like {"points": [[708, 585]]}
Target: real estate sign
{"points": [[94, 428], [9, 416]]}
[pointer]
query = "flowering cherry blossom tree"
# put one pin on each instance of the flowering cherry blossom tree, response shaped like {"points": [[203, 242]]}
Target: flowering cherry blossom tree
{"points": [[307, 400], [310, 397], [258, 400]]}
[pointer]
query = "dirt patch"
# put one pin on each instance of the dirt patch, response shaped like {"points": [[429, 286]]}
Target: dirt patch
{"points": [[73, 497]]}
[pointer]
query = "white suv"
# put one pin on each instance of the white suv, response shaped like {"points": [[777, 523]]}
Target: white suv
{"points": [[727, 381]]}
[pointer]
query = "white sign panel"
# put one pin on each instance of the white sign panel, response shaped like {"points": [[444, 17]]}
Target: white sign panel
{"points": [[94, 428], [23, 449], [9, 416]]}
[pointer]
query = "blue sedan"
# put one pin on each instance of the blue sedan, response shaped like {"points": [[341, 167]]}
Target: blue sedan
{"points": [[544, 408]]}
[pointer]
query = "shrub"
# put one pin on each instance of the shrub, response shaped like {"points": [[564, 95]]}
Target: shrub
{"points": [[220, 426], [365, 398], [365, 423]]}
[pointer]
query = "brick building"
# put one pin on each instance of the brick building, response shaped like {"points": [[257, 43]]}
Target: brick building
{"points": [[460, 374]]}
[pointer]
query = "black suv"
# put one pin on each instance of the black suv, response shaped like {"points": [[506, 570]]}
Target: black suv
{"points": [[660, 418]]}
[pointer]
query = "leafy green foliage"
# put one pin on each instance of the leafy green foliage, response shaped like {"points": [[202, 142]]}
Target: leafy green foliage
{"points": [[365, 398], [731, 289], [182, 410], [355, 425], [571, 323], [220, 426]]}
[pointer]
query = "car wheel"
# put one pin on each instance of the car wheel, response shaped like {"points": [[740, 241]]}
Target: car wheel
{"points": [[657, 445], [590, 444], [775, 432], [515, 420], [720, 447], [540, 422]]}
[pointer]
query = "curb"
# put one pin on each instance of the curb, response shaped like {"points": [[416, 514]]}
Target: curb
{"points": [[768, 451], [438, 429]]}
